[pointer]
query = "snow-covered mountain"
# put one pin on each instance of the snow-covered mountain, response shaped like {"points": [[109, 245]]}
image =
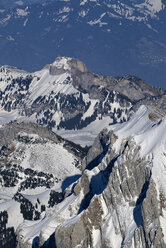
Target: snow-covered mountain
{"points": [[69, 99], [54, 191], [111, 37], [119, 200]]}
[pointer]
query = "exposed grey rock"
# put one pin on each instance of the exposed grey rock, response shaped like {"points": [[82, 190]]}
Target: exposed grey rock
{"points": [[79, 234], [74, 235], [99, 146], [150, 214]]}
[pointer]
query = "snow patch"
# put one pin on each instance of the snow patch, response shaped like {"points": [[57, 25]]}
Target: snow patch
{"points": [[90, 110], [98, 21], [22, 12], [163, 223], [62, 62], [83, 2], [64, 10]]}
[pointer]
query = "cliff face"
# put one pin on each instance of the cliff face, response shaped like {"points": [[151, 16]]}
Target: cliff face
{"points": [[120, 199]]}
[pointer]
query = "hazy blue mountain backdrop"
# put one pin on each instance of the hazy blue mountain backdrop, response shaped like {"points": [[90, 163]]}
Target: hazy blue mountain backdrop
{"points": [[111, 37]]}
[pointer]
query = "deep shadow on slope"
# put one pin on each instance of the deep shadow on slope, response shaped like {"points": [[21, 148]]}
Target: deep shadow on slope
{"points": [[68, 181], [49, 243], [98, 184], [137, 213]]}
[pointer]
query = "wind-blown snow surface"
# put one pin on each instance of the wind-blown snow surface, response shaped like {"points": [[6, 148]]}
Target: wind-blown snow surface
{"points": [[145, 133], [149, 135], [139, 124]]}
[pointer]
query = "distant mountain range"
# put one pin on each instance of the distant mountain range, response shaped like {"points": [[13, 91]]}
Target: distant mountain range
{"points": [[112, 38]]}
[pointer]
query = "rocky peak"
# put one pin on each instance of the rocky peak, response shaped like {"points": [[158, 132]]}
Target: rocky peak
{"points": [[132, 87], [71, 65]]}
